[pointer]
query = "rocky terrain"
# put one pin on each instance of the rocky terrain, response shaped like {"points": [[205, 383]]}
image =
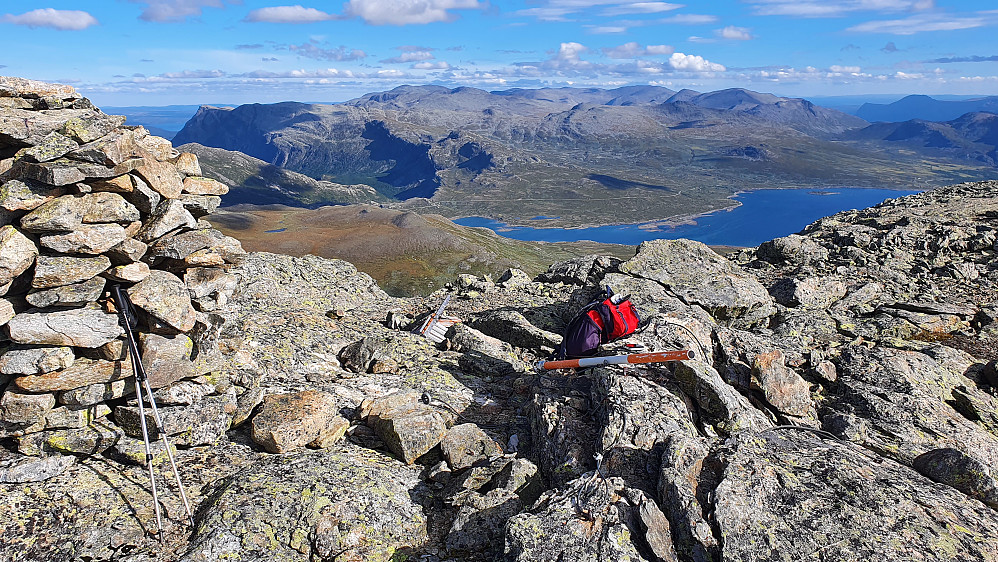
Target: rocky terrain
{"points": [[582, 156], [842, 406]]}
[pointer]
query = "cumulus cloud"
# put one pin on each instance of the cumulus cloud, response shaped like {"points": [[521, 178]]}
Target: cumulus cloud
{"points": [[174, 10], [406, 12], [693, 63], [289, 14], [312, 50], [633, 50], [66, 20], [571, 52]]}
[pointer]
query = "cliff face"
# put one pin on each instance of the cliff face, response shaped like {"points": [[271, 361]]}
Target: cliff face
{"points": [[842, 405]]}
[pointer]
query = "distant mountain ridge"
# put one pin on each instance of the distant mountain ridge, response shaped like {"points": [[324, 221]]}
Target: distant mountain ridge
{"points": [[564, 152], [926, 108], [972, 135]]}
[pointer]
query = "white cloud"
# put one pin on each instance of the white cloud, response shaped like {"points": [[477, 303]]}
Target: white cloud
{"points": [[690, 19], [845, 69], [734, 33], [175, 10], [608, 29], [312, 50], [633, 50], [571, 51], [835, 8], [409, 56], [289, 14], [406, 12], [74, 20], [641, 8], [918, 24], [693, 63], [438, 65]]}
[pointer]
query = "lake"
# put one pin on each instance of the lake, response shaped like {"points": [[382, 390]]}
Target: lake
{"points": [[764, 214]]}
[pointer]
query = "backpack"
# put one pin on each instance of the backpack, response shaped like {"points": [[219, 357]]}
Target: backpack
{"points": [[599, 322]]}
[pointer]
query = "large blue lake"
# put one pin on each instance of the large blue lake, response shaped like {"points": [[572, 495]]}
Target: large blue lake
{"points": [[764, 214]]}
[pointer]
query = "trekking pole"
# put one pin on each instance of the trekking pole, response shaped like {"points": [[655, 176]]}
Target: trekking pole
{"points": [[633, 358], [141, 380]]}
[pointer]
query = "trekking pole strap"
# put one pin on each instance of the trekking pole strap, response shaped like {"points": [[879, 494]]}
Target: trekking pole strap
{"points": [[633, 358]]}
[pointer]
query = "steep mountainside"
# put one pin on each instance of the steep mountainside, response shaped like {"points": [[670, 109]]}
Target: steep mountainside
{"points": [[254, 181], [972, 136], [925, 108], [566, 152]]}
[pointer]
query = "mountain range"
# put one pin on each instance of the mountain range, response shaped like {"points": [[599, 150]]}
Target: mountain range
{"points": [[925, 108], [586, 155]]}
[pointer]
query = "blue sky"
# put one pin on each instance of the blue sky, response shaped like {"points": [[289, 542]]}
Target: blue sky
{"points": [[159, 52]]}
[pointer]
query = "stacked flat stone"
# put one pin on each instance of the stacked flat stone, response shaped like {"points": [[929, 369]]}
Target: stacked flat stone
{"points": [[87, 202]]}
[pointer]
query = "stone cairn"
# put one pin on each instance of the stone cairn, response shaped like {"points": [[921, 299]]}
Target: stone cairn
{"points": [[87, 202]]}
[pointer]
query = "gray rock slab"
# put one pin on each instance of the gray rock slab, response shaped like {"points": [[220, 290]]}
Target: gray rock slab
{"points": [[166, 359], [35, 360], [407, 426], [169, 215], [104, 206], [17, 253], [162, 177], [91, 239], [77, 294], [83, 372], [21, 469], [18, 195], [55, 271], [466, 444], [695, 273], [282, 498], [788, 495], [88, 326], [164, 296], [24, 408]]}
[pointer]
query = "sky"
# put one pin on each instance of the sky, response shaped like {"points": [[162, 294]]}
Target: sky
{"points": [[162, 52]]}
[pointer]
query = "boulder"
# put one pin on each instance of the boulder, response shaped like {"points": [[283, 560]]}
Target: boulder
{"points": [[809, 292], [200, 205], [57, 173], [165, 297], [169, 215], [210, 288], [91, 126], [97, 393], [188, 165], [478, 527], [19, 469], [585, 270], [696, 274], [466, 444], [17, 253], [120, 184], [74, 417], [166, 359], [512, 327], [83, 372], [128, 251], [53, 145], [961, 471], [89, 239], [142, 196], [19, 195], [88, 326], [128, 273], [35, 360], [287, 422], [55, 271], [783, 388], [77, 294], [23, 408], [162, 177], [204, 186], [408, 427], [201, 423], [793, 249], [94, 439], [104, 206]]}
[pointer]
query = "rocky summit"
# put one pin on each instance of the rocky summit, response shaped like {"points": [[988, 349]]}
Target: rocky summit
{"points": [[841, 404]]}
